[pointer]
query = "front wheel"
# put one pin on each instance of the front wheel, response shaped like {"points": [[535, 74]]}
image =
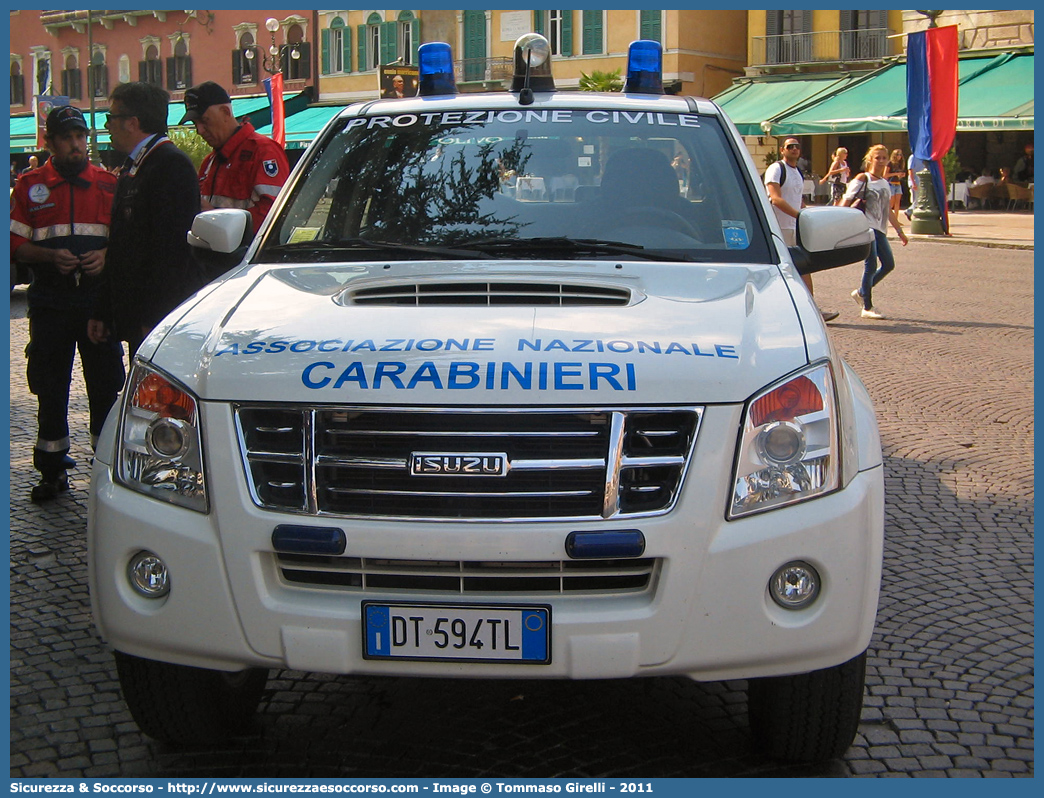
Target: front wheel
{"points": [[809, 717], [183, 705]]}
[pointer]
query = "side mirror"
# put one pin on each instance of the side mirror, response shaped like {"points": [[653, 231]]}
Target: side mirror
{"points": [[219, 240], [830, 237], [224, 230]]}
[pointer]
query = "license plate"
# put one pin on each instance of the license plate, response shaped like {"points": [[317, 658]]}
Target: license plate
{"points": [[473, 632]]}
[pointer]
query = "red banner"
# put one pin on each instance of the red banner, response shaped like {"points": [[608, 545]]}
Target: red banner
{"points": [[275, 96]]}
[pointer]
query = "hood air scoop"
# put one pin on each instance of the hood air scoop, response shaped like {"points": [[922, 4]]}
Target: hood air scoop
{"points": [[489, 293]]}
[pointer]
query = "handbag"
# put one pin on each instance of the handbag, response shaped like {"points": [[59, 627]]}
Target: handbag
{"points": [[859, 202]]}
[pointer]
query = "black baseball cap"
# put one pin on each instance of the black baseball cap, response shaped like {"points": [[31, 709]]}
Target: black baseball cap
{"points": [[65, 118], [199, 98]]}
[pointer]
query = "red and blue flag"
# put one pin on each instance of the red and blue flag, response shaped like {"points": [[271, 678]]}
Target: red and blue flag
{"points": [[931, 101], [274, 90]]}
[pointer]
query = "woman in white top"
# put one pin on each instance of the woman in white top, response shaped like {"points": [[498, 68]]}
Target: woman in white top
{"points": [[837, 174], [872, 189]]}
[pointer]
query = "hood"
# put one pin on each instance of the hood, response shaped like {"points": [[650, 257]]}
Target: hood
{"points": [[489, 333]]}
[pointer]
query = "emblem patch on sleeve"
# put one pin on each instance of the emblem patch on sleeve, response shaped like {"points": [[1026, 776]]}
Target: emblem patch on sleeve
{"points": [[39, 193], [271, 168]]}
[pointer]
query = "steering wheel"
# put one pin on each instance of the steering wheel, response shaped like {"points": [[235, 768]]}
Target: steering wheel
{"points": [[650, 214]]}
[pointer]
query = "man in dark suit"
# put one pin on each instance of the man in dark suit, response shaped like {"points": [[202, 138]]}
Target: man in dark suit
{"points": [[150, 267], [397, 89]]}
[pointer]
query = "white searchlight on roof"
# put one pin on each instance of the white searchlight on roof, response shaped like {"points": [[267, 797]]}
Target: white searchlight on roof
{"points": [[532, 67]]}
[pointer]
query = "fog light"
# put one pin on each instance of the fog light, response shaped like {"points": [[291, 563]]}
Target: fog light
{"points": [[148, 575], [795, 585]]}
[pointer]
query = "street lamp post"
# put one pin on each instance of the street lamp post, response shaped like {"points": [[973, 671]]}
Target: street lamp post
{"points": [[272, 63]]}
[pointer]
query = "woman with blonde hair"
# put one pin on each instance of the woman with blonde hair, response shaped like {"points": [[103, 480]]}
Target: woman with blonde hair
{"points": [[894, 175], [837, 175], [871, 193]]}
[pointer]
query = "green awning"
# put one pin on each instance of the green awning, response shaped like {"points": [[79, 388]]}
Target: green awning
{"points": [[305, 125], [993, 94], [749, 103], [257, 109], [23, 134], [999, 96], [876, 102]]}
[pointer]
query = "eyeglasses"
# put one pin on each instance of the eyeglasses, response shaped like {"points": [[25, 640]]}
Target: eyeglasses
{"points": [[118, 116], [792, 147]]}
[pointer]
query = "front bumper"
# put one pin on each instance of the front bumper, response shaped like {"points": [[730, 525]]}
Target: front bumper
{"points": [[706, 612]]}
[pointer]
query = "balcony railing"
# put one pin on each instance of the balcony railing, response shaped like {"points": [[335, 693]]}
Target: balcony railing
{"points": [[870, 44], [471, 70]]}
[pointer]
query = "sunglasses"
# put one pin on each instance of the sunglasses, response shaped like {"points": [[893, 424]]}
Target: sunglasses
{"points": [[792, 147], [118, 116]]}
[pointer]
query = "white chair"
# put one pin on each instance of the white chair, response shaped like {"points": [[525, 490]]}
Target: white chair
{"points": [[563, 188], [530, 189]]}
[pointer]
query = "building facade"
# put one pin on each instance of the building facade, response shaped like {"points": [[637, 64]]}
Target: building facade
{"points": [[822, 43], [703, 50], [837, 79], [84, 55]]}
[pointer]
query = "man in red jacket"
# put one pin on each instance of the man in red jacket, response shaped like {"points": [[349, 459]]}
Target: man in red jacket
{"points": [[245, 170], [60, 215]]}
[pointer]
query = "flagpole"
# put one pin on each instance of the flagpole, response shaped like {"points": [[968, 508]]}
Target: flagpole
{"points": [[90, 56]]}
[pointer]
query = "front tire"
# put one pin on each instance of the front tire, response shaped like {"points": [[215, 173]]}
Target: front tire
{"points": [[809, 717], [183, 705]]}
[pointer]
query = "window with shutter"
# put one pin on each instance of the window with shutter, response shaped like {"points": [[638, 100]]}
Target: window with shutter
{"points": [[773, 31], [370, 33], [649, 26], [336, 57], [295, 61], [415, 41], [407, 37], [566, 33], [864, 34], [475, 54], [17, 86], [389, 36], [592, 33], [245, 61], [554, 31], [71, 84], [98, 76]]}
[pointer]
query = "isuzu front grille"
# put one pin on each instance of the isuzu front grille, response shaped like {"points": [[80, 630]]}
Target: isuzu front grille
{"points": [[466, 464], [570, 577]]}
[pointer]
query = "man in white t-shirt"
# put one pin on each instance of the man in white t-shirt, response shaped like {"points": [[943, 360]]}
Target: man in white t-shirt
{"points": [[785, 194]]}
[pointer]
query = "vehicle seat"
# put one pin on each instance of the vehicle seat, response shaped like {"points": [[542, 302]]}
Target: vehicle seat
{"points": [[640, 176]]}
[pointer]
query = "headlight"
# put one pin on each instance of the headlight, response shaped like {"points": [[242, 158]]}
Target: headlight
{"points": [[161, 451], [789, 448]]}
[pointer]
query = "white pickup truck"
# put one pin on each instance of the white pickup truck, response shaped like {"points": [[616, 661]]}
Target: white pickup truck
{"points": [[499, 391]]}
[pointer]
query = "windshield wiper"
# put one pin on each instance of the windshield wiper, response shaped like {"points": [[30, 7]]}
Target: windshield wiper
{"points": [[366, 244], [500, 247], [572, 246]]}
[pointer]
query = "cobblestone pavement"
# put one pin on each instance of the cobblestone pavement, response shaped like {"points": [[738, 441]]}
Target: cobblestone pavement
{"points": [[950, 675]]}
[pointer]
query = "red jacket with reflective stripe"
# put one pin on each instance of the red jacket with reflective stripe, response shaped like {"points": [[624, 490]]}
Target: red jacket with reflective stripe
{"points": [[48, 211], [246, 172]]}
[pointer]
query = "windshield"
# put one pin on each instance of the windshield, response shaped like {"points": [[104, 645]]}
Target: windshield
{"points": [[522, 183]]}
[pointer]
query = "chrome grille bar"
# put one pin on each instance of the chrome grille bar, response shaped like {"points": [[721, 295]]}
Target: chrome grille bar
{"points": [[358, 462]]}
